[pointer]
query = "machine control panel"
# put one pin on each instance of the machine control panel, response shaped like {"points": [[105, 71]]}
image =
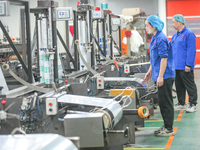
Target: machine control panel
{"points": [[64, 13], [100, 82], [51, 106], [116, 21], [98, 15], [4, 8], [126, 68]]}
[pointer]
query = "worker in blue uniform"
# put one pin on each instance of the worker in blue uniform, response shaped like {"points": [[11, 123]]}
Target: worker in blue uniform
{"points": [[184, 51], [162, 72]]}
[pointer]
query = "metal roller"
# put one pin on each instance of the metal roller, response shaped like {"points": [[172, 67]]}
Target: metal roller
{"points": [[5, 67], [112, 114], [111, 109], [36, 141]]}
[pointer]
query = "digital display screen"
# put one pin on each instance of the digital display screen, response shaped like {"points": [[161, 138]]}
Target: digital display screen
{"points": [[63, 14], [2, 8]]}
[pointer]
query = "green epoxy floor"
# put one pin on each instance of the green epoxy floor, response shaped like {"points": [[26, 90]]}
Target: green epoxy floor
{"points": [[187, 135]]}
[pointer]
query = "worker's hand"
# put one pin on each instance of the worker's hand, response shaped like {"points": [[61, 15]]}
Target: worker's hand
{"points": [[187, 69], [160, 81], [147, 77]]}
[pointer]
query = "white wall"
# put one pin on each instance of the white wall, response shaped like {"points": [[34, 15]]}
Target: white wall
{"points": [[162, 13], [116, 6], [32, 4], [12, 21]]}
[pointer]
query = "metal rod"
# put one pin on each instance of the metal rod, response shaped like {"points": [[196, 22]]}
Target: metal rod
{"points": [[28, 36], [67, 33], [138, 64], [110, 33], [76, 56], [17, 2], [97, 35], [115, 44], [55, 49], [90, 39], [98, 45], [120, 40], [22, 13], [37, 39], [65, 46], [104, 38]]}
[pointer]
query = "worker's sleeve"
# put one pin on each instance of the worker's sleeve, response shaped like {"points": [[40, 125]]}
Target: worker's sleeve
{"points": [[163, 49], [191, 49]]}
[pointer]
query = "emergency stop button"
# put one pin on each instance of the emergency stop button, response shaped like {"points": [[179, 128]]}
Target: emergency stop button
{"points": [[3, 102]]}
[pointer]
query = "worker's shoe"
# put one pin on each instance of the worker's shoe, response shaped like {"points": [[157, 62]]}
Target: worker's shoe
{"points": [[180, 107], [191, 109], [165, 132], [160, 129]]}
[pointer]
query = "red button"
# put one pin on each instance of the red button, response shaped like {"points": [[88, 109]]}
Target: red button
{"points": [[78, 3], [101, 67], [97, 9], [50, 104], [3, 102], [126, 70], [66, 81], [99, 80]]}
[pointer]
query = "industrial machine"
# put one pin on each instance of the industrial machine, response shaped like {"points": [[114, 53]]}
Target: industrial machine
{"points": [[36, 141], [108, 123], [96, 96]]}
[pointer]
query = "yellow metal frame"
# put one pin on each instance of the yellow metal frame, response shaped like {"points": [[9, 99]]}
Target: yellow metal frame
{"points": [[126, 92]]}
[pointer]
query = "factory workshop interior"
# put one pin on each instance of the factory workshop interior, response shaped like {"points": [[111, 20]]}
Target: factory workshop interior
{"points": [[73, 74]]}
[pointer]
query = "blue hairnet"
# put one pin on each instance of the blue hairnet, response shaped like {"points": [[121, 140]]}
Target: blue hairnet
{"points": [[180, 18], [155, 21]]}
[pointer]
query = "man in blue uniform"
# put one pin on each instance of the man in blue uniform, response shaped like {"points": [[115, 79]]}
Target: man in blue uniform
{"points": [[184, 51], [162, 72]]}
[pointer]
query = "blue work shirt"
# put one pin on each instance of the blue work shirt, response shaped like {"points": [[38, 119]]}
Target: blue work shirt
{"points": [[160, 48], [184, 49]]}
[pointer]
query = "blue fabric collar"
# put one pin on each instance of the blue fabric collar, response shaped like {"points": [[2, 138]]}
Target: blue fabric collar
{"points": [[182, 30], [155, 36]]}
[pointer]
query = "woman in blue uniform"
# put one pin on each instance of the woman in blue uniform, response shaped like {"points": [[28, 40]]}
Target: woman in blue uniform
{"points": [[162, 72]]}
